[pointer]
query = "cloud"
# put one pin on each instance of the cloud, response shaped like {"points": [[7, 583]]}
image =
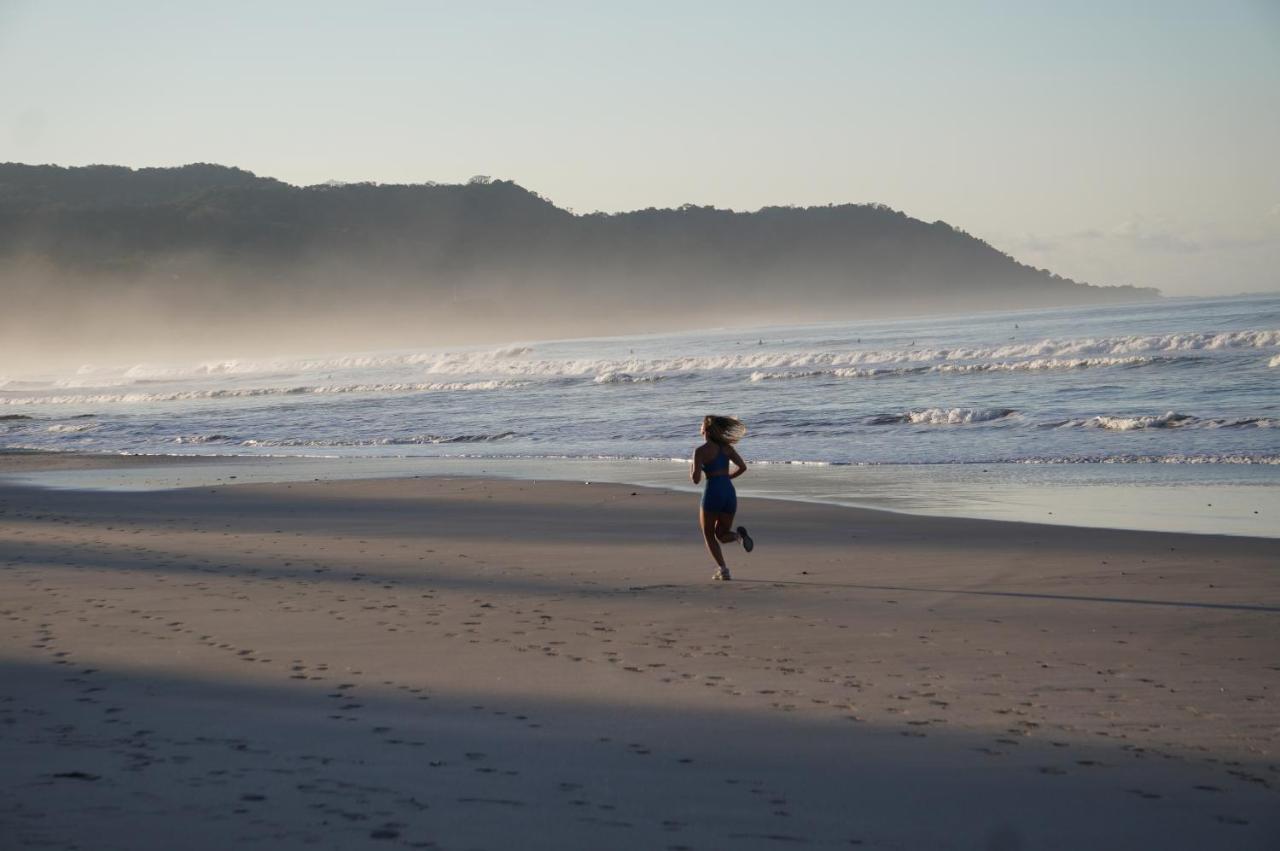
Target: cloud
{"points": [[1131, 234], [1162, 237], [1157, 238], [1178, 257]]}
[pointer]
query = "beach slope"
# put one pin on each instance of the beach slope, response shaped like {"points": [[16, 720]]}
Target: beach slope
{"points": [[468, 663]]}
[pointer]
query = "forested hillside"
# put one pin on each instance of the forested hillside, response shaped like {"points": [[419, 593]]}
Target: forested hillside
{"points": [[241, 247]]}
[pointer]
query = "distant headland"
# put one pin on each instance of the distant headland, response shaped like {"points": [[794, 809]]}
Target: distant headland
{"points": [[487, 255]]}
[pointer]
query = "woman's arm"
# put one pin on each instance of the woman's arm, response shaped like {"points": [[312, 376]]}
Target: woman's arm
{"points": [[738, 462], [695, 469]]}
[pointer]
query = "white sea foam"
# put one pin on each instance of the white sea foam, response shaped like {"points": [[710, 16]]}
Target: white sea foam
{"points": [[1036, 365], [625, 378], [1134, 344], [413, 440], [1045, 354], [203, 438], [148, 371], [1169, 419], [799, 463], [436, 362], [1083, 394], [70, 428], [1039, 364], [246, 392], [1175, 458], [839, 372], [1264, 458], [942, 416], [517, 360]]}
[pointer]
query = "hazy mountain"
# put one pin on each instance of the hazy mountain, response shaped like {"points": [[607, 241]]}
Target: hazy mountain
{"points": [[201, 254]]}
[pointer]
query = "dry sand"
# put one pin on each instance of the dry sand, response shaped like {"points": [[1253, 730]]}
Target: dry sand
{"points": [[488, 664]]}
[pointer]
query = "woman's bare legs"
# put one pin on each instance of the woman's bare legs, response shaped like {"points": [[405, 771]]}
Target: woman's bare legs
{"points": [[717, 529], [709, 521], [724, 529]]}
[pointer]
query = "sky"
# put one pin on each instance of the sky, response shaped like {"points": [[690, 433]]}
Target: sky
{"points": [[1111, 142]]}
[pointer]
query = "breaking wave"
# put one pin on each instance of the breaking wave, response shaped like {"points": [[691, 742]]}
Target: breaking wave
{"points": [[246, 392], [1037, 365], [942, 416], [517, 360], [1169, 419], [70, 428], [1092, 387], [625, 378], [196, 439], [447, 362], [414, 440], [1046, 354]]}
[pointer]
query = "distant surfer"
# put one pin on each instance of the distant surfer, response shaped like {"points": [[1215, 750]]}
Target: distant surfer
{"points": [[719, 499]]}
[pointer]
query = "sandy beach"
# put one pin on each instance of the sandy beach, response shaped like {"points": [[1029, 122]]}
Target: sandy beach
{"points": [[468, 663]]}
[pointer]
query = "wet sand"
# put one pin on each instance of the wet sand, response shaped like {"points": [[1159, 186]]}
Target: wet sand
{"points": [[463, 663]]}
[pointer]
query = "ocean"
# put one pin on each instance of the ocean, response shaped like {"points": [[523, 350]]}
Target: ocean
{"points": [[1006, 415]]}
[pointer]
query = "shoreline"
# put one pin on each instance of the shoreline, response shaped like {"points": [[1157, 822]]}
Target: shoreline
{"points": [[335, 664], [1243, 504]]}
